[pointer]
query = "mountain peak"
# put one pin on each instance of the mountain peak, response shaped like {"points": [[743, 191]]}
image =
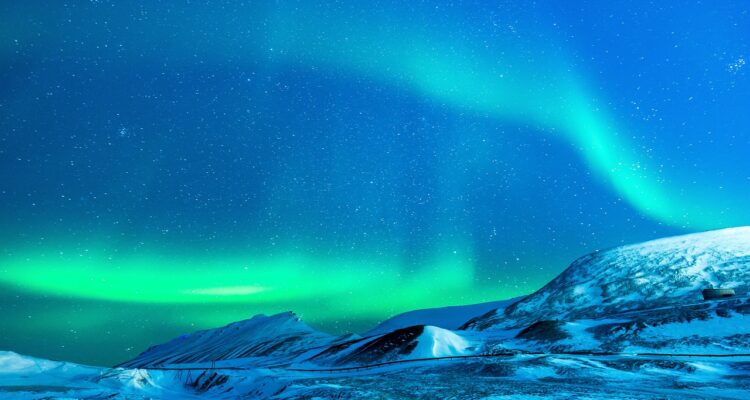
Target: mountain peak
{"points": [[280, 335]]}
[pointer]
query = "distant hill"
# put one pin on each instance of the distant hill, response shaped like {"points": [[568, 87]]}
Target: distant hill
{"points": [[281, 336], [444, 317]]}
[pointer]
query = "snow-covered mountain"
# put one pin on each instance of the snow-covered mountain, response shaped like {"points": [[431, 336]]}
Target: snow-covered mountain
{"points": [[659, 273], [444, 317], [275, 338]]}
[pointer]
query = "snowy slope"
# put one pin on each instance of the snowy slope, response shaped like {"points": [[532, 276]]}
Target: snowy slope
{"points": [[659, 273], [522, 377], [715, 327], [408, 343], [11, 363], [444, 317], [24, 377], [438, 342], [276, 338]]}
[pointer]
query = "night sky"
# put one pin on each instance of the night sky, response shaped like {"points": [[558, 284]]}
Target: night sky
{"points": [[168, 166]]}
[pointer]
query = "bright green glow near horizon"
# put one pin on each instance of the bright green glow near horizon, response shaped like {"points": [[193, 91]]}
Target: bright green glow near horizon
{"points": [[368, 288]]}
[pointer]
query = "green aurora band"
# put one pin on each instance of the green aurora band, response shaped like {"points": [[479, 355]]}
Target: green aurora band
{"points": [[503, 80], [253, 280]]}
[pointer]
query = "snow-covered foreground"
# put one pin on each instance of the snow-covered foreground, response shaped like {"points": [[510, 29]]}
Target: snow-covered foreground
{"points": [[23, 377], [626, 323], [520, 376]]}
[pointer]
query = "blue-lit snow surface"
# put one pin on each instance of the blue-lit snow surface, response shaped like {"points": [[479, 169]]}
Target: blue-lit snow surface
{"points": [[521, 377]]}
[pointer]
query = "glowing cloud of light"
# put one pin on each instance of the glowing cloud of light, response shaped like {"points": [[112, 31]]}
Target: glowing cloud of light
{"points": [[512, 80], [247, 279]]}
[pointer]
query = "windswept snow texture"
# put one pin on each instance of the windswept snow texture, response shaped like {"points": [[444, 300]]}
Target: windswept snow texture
{"points": [[23, 378], [521, 377], [444, 317], [659, 273], [277, 338]]}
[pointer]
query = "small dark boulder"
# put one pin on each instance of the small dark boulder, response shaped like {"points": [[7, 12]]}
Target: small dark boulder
{"points": [[544, 331]]}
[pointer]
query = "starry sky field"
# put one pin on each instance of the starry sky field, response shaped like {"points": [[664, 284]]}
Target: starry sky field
{"points": [[167, 166]]}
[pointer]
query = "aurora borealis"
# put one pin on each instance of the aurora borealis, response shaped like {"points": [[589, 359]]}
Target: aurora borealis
{"points": [[173, 166]]}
